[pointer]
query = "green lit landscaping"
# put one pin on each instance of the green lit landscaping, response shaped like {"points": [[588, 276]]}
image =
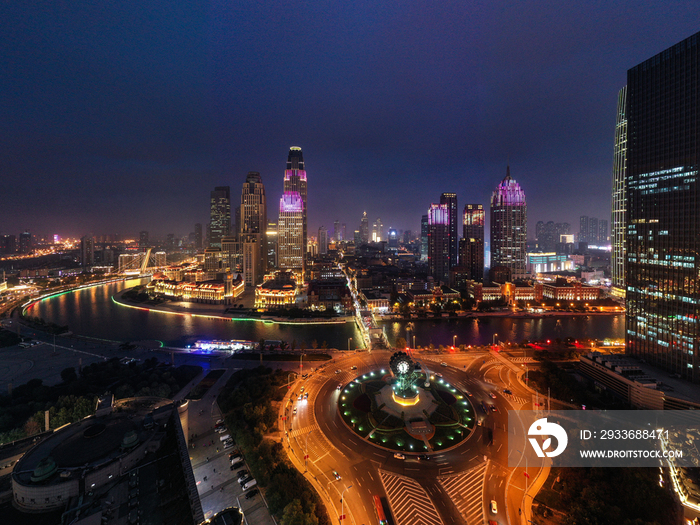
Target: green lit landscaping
{"points": [[451, 414]]}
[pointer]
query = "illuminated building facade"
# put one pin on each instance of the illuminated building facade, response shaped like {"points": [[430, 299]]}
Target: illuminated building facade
{"points": [[220, 215], [322, 240], [87, 251], [253, 224], [439, 242], [279, 291], [377, 228], [295, 182], [271, 245], [663, 210], [198, 236], [471, 245], [619, 196], [290, 239], [337, 232], [424, 237], [509, 227], [450, 199], [364, 228]]}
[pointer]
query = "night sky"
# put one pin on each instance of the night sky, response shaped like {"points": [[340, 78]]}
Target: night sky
{"points": [[117, 116]]}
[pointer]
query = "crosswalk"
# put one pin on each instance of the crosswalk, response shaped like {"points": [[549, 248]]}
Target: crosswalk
{"points": [[409, 502], [302, 431], [517, 399], [520, 359], [466, 491]]}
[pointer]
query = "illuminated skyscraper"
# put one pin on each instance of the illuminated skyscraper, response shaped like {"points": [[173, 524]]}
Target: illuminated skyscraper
{"points": [[143, 240], [87, 251], [290, 237], [377, 229], [662, 260], [253, 220], [471, 245], [295, 181], [337, 232], [364, 228], [509, 227], [439, 242], [424, 237], [322, 240], [619, 196], [220, 215], [198, 236], [451, 200]]}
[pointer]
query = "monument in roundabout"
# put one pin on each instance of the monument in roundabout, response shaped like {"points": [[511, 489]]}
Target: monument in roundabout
{"points": [[406, 408]]}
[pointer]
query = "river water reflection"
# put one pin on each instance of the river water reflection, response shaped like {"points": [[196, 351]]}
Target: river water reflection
{"points": [[91, 312]]}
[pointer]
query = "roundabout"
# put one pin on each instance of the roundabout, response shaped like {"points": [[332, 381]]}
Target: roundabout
{"points": [[403, 409]]}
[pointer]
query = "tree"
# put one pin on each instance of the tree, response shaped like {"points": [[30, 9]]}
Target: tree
{"points": [[314, 344], [294, 344], [294, 514], [324, 345], [400, 343], [68, 375]]}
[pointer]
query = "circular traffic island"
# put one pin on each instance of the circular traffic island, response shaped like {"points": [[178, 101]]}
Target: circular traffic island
{"points": [[402, 409]]}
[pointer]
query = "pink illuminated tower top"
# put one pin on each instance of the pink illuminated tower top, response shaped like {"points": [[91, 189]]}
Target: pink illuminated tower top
{"points": [[508, 193], [291, 202], [439, 214]]}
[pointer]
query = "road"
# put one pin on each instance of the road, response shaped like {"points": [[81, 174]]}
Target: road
{"points": [[455, 486]]}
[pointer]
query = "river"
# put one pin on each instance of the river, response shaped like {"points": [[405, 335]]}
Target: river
{"points": [[92, 313]]}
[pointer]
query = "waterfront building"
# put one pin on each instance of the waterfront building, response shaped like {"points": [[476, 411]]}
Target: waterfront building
{"points": [[253, 228], [272, 247], [471, 245], [220, 215], [450, 199], [377, 228], [295, 182], [231, 255], [8, 244], [424, 237], [544, 262], [216, 291], [509, 227], [279, 290], [87, 251], [439, 242], [662, 260], [160, 259], [290, 239], [130, 262], [619, 196]]}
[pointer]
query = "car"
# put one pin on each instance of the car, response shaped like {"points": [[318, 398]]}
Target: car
{"points": [[398, 455], [243, 476], [219, 422], [301, 396], [337, 476], [338, 371], [228, 446], [507, 391], [302, 389], [468, 393], [241, 472], [492, 395], [438, 375], [494, 507], [353, 367], [424, 457], [443, 364], [339, 387], [306, 395], [221, 429], [295, 411], [236, 459], [251, 494], [245, 480], [493, 408]]}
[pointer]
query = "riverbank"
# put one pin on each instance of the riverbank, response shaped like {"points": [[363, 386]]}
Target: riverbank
{"points": [[502, 315], [217, 311]]}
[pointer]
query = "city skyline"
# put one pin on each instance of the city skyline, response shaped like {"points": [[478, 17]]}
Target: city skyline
{"points": [[114, 124]]}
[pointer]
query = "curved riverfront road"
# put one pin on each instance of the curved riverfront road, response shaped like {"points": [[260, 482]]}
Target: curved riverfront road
{"points": [[454, 487]]}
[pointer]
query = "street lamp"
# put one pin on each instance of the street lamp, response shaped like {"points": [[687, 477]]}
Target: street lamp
{"points": [[349, 339], [414, 342], [342, 505], [306, 451], [454, 339], [493, 339]]}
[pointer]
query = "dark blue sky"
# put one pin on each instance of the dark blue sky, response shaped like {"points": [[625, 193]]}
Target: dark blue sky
{"points": [[117, 116]]}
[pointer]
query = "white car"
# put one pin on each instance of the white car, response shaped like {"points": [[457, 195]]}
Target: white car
{"points": [[494, 507], [399, 456]]}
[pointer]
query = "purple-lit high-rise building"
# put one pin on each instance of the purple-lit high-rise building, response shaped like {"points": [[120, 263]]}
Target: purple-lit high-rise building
{"points": [[295, 181], [290, 237], [509, 227], [439, 242]]}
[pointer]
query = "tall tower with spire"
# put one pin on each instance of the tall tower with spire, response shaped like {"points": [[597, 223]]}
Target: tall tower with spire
{"points": [[293, 202], [509, 227]]}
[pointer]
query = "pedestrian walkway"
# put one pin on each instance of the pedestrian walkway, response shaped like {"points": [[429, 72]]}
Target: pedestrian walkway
{"points": [[517, 399], [466, 492], [410, 504]]}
